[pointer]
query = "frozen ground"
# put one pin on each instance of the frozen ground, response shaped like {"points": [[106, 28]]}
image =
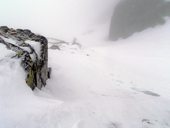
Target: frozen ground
{"points": [[123, 84]]}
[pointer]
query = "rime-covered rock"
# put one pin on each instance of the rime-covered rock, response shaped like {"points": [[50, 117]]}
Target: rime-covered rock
{"points": [[32, 49]]}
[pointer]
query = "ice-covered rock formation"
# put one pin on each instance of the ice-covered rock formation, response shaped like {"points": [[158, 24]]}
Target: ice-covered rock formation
{"points": [[32, 50]]}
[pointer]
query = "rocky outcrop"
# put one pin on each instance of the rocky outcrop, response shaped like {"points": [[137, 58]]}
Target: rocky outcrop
{"points": [[32, 49], [131, 16]]}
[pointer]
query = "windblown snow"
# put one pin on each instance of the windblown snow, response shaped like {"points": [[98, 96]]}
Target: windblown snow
{"points": [[102, 84]]}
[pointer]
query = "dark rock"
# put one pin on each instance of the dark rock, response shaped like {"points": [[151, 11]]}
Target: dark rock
{"points": [[131, 16], [54, 47]]}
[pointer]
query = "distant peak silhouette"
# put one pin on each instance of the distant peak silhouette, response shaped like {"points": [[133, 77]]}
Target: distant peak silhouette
{"points": [[131, 16]]}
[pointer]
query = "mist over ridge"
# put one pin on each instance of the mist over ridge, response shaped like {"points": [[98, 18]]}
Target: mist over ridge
{"points": [[131, 16]]}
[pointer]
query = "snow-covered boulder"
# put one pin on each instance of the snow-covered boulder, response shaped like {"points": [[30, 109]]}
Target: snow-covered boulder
{"points": [[31, 49]]}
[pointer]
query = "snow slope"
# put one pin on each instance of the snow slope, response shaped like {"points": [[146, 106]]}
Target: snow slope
{"points": [[123, 84]]}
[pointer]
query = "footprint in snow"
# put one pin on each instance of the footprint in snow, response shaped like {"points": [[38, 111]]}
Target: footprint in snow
{"points": [[146, 123], [150, 93], [147, 92], [114, 125]]}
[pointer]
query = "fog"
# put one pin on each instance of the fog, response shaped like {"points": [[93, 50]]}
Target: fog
{"points": [[72, 18], [57, 18], [132, 16]]}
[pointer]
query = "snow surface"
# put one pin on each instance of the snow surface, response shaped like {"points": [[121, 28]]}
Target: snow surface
{"points": [[123, 84]]}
